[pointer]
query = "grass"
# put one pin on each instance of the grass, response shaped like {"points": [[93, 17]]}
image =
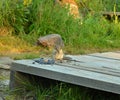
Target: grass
{"points": [[11, 44], [17, 48], [19, 30], [96, 34], [54, 90]]}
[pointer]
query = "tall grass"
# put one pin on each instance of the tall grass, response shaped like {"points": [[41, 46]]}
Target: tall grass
{"points": [[96, 33], [12, 14], [49, 18], [58, 91], [41, 17]]}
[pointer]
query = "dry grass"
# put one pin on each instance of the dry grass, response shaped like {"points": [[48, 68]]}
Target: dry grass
{"points": [[5, 31], [17, 48], [12, 45]]}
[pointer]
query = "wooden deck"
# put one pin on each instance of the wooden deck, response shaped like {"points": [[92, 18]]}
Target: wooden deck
{"points": [[99, 70], [111, 13]]}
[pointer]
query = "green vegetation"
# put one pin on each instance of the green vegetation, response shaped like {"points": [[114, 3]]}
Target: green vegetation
{"points": [[54, 90], [28, 22], [22, 23]]}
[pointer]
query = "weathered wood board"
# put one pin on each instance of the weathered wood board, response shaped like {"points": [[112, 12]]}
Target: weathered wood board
{"points": [[111, 13], [108, 55], [100, 70]]}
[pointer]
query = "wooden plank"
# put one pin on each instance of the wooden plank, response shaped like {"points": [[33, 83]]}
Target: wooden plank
{"points": [[93, 68], [97, 62], [101, 65], [109, 55], [71, 75], [110, 13]]}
